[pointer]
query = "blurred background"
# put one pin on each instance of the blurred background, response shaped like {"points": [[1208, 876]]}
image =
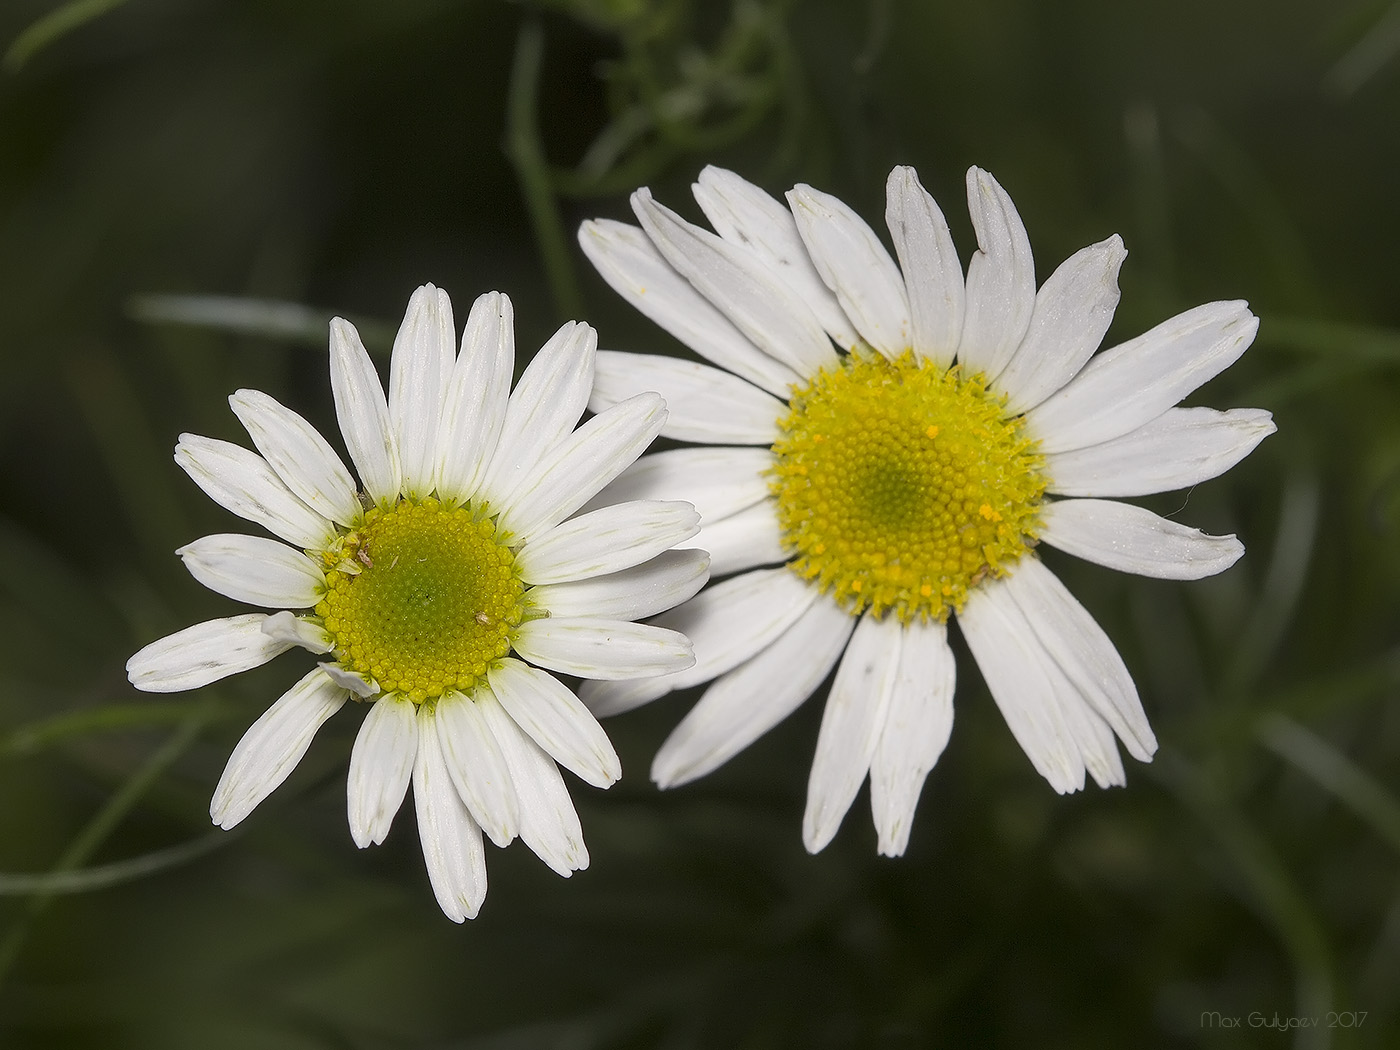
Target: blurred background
{"points": [[190, 189]]}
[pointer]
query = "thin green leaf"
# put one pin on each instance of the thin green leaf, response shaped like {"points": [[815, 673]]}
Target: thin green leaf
{"points": [[52, 27], [100, 877], [36, 736]]}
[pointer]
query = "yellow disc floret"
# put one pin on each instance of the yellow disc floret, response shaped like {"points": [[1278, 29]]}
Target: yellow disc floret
{"points": [[900, 485], [422, 598]]}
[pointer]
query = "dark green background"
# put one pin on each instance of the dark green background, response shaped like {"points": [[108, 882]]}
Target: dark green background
{"points": [[337, 155]]}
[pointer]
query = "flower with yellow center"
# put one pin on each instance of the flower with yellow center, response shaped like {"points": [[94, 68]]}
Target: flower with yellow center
{"points": [[887, 437], [460, 552]]}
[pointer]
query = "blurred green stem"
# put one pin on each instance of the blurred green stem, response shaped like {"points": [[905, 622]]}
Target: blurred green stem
{"points": [[57, 23]]}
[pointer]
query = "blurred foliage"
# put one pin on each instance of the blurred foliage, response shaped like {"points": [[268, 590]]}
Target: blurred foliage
{"points": [[189, 189]]}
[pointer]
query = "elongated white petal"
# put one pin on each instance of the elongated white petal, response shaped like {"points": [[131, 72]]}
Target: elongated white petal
{"points": [[1073, 310], [477, 394], [704, 404], [745, 540], [203, 653], [300, 456], [1000, 279], [856, 266], [476, 765], [418, 373], [1074, 641], [741, 286], [745, 215], [591, 647], [916, 730], [727, 624], [381, 764], [542, 410], [933, 277], [255, 570], [580, 466], [452, 847], [555, 719], [1133, 539], [643, 590], [851, 725], [287, 627], [718, 481], [1180, 448], [272, 747], [628, 261], [548, 822], [606, 540], [746, 702], [241, 481], [364, 414], [1135, 382], [357, 682]]}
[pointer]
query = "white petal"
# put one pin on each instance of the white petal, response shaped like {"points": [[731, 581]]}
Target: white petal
{"points": [[606, 540], [705, 404], [1079, 646], [555, 719], [203, 653], [452, 847], [629, 262], [745, 215], [741, 286], [1135, 382], [1133, 539], [254, 570], [362, 685], [542, 410], [242, 482], [1180, 448], [1073, 310], [1000, 279], [742, 541], [548, 822], [578, 468], [418, 373], [854, 265], [643, 590], [851, 724], [746, 702], [726, 623], [364, 414], [476, 764], [298, 630], [272, 747], [916, 730], [933, 277], [301, 457], [381, 763], [719, 481], [592, 647], [477, 395]]}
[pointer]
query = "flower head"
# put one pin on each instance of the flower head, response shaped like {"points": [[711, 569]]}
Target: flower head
{"points": [[458, 558], [890, 437]]}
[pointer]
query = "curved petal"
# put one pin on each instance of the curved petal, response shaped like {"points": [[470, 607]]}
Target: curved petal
{"points": [[476, 765], [364, 414], [477, 395], [1133, 539], [718, 481], [1135, 382], [272, 747], [745, 540], [606, 540], [300, 631], [554, 718], [242, 482], [419, 369], [203, 653], [254, 570], [591, 647], [933, 277], [299, 455], [452, 847], [1000, 279], [643, 590], [746, 702], [1180, 448], [381, 763], [704, 404]]}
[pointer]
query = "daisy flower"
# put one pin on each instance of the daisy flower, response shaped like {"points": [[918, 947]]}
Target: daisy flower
{"points": [[458, 548], [887, 438]]}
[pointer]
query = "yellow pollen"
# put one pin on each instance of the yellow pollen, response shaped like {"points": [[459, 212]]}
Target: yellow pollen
{"points": [[880, 515], [422, 598]]}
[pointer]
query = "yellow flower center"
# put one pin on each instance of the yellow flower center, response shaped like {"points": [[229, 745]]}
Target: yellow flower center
{"points": [[901, 485], [422, 598]]}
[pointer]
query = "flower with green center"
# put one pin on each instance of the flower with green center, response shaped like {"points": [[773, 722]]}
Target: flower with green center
{"points": [[466, 551], [878, 456]]}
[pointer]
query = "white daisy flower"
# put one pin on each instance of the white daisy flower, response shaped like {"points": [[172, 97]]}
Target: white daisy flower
{"points": [[458, 548], [888, 436]]}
